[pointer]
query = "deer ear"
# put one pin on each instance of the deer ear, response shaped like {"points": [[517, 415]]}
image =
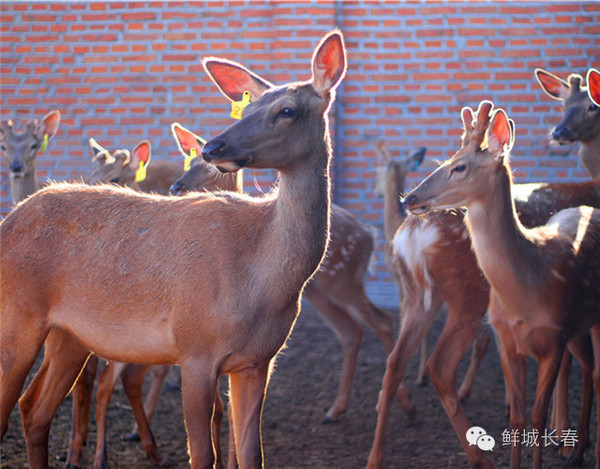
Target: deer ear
{"points": [[100, 154], [500, 134], [233, 79], [49, 125], [141, 153], [593, 81], [329, 63], [186, 140], [415, 158], [553, 86]]}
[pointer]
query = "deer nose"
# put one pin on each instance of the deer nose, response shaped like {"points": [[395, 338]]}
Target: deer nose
{"points": [[562, 133], [212, 150], [176, 188], [16, 166]]}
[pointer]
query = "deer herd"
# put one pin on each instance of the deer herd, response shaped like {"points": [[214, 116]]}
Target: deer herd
{"points": [[527, 255]]}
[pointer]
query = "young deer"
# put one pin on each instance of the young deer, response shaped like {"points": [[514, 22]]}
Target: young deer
{"points": [[20, 150], [337, 290], [391, 175], [545, 281], [581, 117], [430, 271], [232, 268], [121, 168]]}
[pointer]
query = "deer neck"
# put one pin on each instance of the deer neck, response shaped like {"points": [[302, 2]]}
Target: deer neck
{"points": [[22, 187], [300, 229], [393, 210], [507, 253], [589, 154]]}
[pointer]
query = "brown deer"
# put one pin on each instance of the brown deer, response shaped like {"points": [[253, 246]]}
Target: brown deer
{"points": [[545, 281], [427, 253], [20, 150], [337, 290], [232, 268], [121, 168], [581, 117], [391, 175]]}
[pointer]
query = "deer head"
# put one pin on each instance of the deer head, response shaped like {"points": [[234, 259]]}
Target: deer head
{"points": [[581, 116], [20, 149], [289, 115], [398, 168], [197, 171], [468, 176], [121, 167]]}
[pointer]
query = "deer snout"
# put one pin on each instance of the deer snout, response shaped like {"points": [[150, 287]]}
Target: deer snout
{"points": [[176, 188], [212, 150], [562, 134], [16, 166]]}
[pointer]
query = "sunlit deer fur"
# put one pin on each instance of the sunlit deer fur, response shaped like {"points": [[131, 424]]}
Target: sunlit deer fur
{"points": [[232, 268]]}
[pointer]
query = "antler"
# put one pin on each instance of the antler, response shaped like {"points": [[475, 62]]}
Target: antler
{"points": [[476, 124]]}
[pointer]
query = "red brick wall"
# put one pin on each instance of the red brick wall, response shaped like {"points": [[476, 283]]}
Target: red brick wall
{"points": [[122, 72]]}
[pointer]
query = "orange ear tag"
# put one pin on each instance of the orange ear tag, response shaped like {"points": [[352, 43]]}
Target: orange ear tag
{"points": [[187, 164], [238, 106], [140, 174]]}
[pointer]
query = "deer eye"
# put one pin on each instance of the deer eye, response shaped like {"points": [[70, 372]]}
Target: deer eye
{"points": [[287, 112], [34, 146], [593, 107], [2, 147], [459, 169], [114, 180]]}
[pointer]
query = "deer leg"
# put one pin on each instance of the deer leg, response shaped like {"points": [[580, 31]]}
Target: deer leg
{"points": [[217, 423], [416, 321], [232, 457], [133, 379], [64, 357], [16, 361], [81, 409], [422, 373], [458, 334], [106, 385], [480, 344], [349, 334], [547, 371], [582, 349], [559, 420], [595, 333], [248, 389], [514, 368], [159, 373], [199, 382]]}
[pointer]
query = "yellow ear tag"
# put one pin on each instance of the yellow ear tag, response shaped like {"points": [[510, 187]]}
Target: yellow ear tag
{"points": [[44, 144], [140, 174], [238, 106], [187, 164]]}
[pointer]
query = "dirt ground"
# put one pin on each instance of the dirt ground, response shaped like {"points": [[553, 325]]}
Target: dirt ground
{"points": [[302, 388]]}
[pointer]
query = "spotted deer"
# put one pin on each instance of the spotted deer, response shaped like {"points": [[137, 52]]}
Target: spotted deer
{"points": [[545, 281], [20, 150], [337, 290], [232, 268], [433, 253]]}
